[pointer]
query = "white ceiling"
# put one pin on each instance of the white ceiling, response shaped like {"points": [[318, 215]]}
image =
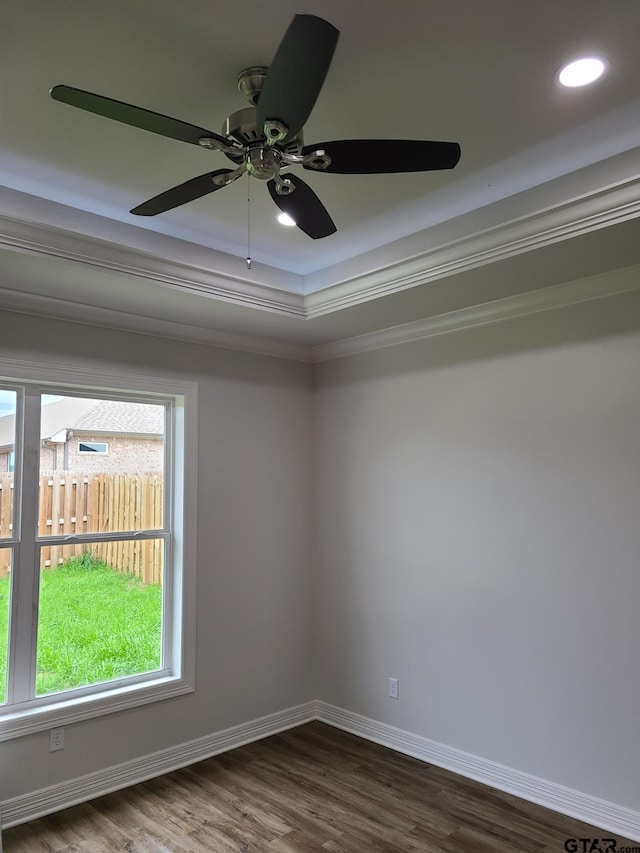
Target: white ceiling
{"points": [[480, 72]]}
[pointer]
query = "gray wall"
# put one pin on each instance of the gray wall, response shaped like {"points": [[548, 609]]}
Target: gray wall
{"points": [[475, 533], [478, 531], [254, 548]]}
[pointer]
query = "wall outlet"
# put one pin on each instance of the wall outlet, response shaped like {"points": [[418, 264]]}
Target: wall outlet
{"points": [[393, 688], [56, 739]]}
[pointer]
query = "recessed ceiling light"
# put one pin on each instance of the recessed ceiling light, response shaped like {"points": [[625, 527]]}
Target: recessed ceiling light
{"points": [[285, 219], [581, 72]]}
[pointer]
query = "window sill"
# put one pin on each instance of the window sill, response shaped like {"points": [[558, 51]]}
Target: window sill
{"points": [[26, 721]]}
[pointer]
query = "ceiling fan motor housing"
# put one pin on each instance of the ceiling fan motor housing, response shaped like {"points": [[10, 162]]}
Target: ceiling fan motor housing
{"points": [[243, 128]]}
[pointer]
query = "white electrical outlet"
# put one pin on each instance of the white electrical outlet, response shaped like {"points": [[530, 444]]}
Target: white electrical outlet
{"points": [[56, 739], [393, 688]]}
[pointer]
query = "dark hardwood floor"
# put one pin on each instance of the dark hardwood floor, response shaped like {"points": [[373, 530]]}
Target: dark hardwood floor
{"points": [[313, 789]]}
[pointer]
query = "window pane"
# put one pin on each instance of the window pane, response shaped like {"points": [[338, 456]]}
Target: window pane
{"points": [[7, 460], [5, 604], [100, 614], [101, 466], [93, 447]]}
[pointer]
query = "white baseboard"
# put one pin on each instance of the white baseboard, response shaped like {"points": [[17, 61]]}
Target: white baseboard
{"points": [[64, 794], [601, 813], [605, 815]]}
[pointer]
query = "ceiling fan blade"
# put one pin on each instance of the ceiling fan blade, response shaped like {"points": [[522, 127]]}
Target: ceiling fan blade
{"points": [[133, 116], [304, 206], [190, 190], [297, 73], [385, 156]]}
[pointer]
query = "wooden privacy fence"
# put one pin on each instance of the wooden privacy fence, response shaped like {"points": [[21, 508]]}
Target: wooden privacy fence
{"points": [[73, 503]]}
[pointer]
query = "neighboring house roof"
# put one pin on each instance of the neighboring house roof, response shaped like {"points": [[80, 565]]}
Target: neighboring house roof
{"points": [[80, 415], [116, 416]]}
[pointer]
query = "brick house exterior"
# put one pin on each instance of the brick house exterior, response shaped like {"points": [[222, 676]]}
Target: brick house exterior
{"points": [[117, 436], [124, 453]]}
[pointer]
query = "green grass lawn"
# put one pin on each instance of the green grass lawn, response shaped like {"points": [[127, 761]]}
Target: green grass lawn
{"points": [[95, 625]]}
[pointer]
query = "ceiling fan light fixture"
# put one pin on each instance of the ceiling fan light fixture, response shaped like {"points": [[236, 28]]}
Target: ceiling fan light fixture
{"points": [[582, 71], [267, 136], [285, 219]]}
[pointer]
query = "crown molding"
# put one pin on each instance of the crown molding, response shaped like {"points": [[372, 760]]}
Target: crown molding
{"points": [[601, 286], [607, 206], [124, 321], [49, 240], [580, 215]]}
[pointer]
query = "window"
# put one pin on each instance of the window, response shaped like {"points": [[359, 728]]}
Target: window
{"points": [[93, 587], [93, 447]]}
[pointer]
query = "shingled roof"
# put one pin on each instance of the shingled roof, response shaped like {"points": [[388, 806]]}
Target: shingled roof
{"points": [[108, 417]]}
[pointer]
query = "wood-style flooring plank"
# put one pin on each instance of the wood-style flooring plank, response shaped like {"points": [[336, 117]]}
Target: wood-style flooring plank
{"points": [[313, 789]]}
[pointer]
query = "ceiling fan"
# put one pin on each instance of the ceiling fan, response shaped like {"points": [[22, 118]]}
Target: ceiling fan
{"points": [[266, 139]]}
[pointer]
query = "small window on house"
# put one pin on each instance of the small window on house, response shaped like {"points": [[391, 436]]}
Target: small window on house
{"points": [[93, 447]]}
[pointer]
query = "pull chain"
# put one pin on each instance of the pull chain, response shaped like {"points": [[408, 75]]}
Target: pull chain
{"points": [[248, 221]]}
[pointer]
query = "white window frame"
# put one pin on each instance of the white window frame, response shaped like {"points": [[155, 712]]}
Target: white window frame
{"points": [[104, 452], [178, 677]]}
